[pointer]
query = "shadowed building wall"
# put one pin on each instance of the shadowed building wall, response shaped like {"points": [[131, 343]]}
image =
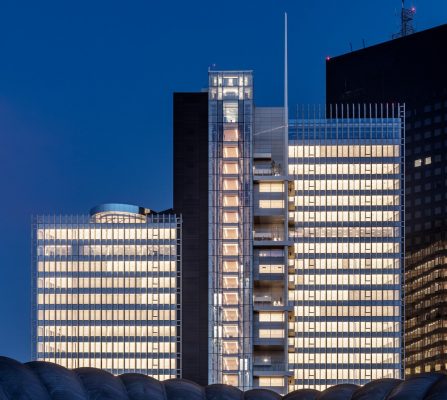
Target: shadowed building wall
{"points": [[412, 70], [191, 200]]}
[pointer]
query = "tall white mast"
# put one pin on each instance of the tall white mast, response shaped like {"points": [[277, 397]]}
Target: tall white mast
{"points": [[286, 100]]}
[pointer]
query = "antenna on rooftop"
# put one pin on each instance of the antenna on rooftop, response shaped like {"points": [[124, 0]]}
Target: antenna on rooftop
{"points": [[406, 21]]}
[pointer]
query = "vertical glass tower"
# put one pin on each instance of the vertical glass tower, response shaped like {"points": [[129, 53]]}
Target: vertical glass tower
{"points": [[230, 120], [106, 290], [305, 241]]}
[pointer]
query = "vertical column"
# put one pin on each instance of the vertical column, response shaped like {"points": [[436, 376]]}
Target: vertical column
{"points": [[230, 230]]}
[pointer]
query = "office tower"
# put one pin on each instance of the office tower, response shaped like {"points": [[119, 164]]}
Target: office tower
{"points": [[191, 201], [106, 290], [412, 70], [305, 242]]}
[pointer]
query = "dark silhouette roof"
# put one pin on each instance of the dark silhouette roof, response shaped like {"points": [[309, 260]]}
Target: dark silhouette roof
{"points": [[40, 380]]}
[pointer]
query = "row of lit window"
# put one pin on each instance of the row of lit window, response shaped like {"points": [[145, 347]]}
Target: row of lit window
{"points": [[230, 79], [345, 232], [425, 329], [340, 345], [345, 358], [353, 200], [349, 278], [140, 266], [353, 248], [346, 374], [150, 348], [271, 269], [270, 381], [107, 233], [347, 327], [344, 169], [347, 184], [271, 203], [345, 295], [426, 341], [107, 250], [422, 268], [95, 315], [271, 187], [341, 151], [226, 93], [117, 283], [117, 299], [115, 365], [418, 295], [348, 263], [125, 332], [347, 311], [346, 216], [427, 278], [434, 351]]}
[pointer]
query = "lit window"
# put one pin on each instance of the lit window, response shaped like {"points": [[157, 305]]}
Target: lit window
{"points": [[417, 163], [274, 187], [230, 282], [230, 233], [230, 249], [231, 380], [230, 347], [230, 315], [271, 317], [230, 266], [271, 269], [230, 363], [230, 184], [230, 201], [230, 217], [230, 168], [230, 331], [267, 381], [230, 112], [427, 160], [230, 152], [271, 333], [231, 135], [271, 203]]}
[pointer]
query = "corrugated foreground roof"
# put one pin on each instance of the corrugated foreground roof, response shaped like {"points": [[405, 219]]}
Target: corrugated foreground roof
{"points": [[40, 380]]}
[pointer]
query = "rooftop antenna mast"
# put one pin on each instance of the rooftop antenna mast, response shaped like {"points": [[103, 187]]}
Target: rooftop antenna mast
{"points": [[406, 21], [286, 96]]}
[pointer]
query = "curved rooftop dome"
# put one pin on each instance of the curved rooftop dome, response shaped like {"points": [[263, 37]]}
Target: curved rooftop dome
{"points": [[40, 380], [106, 212]]}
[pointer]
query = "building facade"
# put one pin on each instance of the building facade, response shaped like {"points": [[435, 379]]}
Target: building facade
{"points": [[305, 242], [191, 201], [411, 70], [106, 290]]}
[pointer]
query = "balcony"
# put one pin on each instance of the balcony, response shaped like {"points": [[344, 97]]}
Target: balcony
{"points": [[262, 155], [269, 303], [271, 238], [265, 366]]}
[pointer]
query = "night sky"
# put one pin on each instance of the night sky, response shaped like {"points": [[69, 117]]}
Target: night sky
{"points": [[86, 99]]}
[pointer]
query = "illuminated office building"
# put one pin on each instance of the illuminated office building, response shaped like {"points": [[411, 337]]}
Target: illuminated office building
{"points": [[305, 241], [411, 69], [106, 290]]}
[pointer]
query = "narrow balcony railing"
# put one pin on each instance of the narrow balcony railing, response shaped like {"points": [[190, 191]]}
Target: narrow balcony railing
{"points": [[273, 235]]}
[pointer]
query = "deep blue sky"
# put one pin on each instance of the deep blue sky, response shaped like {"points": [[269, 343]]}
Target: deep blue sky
{"points": [[86, 99]]}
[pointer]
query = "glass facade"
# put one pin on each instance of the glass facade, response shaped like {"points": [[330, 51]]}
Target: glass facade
{"points": [[106, 291], [230, 221], [347, 255], [306, 242]]}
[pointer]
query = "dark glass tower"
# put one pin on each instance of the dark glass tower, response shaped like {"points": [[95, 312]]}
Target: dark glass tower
{"points": [[412, 70], [191, 200]]}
